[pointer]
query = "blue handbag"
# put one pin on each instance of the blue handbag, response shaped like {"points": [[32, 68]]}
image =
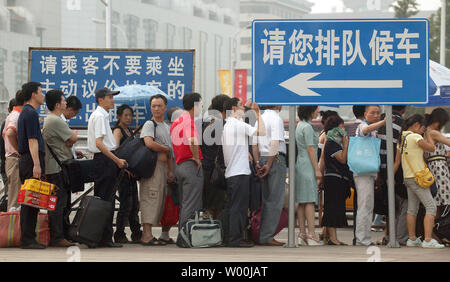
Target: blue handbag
{"points": [[364, 155]]}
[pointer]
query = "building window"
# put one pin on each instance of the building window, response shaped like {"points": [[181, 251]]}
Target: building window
{"points": [[151, 28], [213, 16], [255, 10], [132, 24], [3, 57], [246, 40], [246, 56], [218, 40], [171, 32], [20, 59], [151, 2], [198, 12], [187, 37], [228, 20]]}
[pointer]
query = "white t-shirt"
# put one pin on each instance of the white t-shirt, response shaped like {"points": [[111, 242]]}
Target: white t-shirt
{"points": [[274, 131], [235, 147], [98, 126]]}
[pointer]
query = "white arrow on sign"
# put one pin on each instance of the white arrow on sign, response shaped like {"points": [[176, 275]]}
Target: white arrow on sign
{"points": [[301, 84]]}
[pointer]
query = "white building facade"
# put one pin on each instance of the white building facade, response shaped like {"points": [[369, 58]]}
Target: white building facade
{"points": [[208, 26]]}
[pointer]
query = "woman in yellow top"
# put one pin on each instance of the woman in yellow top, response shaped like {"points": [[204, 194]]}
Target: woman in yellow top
{"points": [[414, 146]]}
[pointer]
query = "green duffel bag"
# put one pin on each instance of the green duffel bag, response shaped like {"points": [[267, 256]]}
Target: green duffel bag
{"points": [[200, 231]]}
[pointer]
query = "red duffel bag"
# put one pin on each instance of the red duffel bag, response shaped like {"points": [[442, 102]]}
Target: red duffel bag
{"points": [[10, 229], [171, 212]]}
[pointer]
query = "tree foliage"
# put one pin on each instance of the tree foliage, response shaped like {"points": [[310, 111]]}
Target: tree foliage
{"points": [[435, 36], [405, 8]]}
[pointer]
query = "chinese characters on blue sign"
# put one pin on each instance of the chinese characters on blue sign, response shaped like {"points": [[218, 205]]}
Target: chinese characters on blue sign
{"points": [[340, 61], [80, 72]]}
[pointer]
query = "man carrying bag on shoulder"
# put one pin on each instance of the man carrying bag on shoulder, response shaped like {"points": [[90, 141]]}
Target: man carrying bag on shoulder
{"points": [[59, 139]]}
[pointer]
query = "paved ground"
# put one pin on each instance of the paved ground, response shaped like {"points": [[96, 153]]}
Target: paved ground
{"points": [[138, 253]]}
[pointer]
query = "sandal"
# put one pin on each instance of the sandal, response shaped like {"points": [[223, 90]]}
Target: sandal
{"points": [[170, 241], [313, 241], [302, 239], [153, 242]]}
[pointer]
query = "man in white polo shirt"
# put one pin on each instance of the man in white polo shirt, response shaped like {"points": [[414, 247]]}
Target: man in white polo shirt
{"points": [[235, 140], [101, 142], [270, 160]]}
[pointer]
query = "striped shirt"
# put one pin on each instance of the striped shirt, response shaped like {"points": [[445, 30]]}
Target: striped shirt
{"points": [[397, 133]]}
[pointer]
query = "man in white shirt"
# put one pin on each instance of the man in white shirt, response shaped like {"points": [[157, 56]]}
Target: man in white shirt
{"points": [[235, 151], [270, 161], [101, 142]]}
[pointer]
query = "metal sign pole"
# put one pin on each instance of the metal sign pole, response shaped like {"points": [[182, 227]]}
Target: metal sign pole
{"points": [[291, 228], [390, 170]]}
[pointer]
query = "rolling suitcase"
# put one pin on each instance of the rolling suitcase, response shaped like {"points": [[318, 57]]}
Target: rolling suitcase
{"points": [[91, 218]]}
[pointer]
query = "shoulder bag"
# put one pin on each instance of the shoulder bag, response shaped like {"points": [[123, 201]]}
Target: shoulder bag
{"points": [[74, 172], [364, 155], [424, 178], [141, 160]]}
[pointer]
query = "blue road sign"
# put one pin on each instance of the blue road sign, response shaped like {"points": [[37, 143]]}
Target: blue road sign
{"points": [[80, 72], [319, 62]]}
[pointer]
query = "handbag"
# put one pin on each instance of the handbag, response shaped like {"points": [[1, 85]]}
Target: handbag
{"points": [[200, 231], [171, 212], [141, 160], [364, 155], [424, 178]]}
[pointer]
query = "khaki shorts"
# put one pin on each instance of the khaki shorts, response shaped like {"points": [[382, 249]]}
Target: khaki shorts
{"points": [[151, 195]]}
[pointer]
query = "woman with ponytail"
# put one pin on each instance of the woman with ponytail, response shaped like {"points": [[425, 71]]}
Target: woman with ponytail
{"points": [[437, 160], [410, 151]]}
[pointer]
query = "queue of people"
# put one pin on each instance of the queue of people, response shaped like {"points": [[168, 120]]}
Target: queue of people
{"points": [[228, 144]]}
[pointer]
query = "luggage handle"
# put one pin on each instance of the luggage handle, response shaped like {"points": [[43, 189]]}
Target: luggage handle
{"points": [[197, 215], [116, 186]]}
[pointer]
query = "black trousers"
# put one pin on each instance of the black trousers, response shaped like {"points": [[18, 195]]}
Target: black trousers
{"points": [[57, 217], [28, 215], [105, 178], [129, 209], [236, 208]]}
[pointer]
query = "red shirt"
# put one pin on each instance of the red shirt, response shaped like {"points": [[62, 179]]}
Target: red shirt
{"points": [[181, 130]]}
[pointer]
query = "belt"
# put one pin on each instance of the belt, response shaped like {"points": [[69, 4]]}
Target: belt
{"points": [[14, 155], [282, 154], [436, 158]]}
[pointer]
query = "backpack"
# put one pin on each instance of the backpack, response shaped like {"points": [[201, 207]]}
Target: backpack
{"points": [[200, 231]]}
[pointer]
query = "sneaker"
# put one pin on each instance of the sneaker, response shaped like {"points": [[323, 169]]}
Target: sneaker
{"points": [[433, 244], [377, 229], [416, 243]]}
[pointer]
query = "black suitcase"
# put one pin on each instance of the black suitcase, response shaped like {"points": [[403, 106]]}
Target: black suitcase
{"points": [[92, 217], [90, 221]]}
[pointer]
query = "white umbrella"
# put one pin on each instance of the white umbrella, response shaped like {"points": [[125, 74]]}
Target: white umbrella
{"points": [[441, 77]]}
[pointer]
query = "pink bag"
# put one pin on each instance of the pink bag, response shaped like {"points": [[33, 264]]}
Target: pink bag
{"points": [[256, 223]]}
